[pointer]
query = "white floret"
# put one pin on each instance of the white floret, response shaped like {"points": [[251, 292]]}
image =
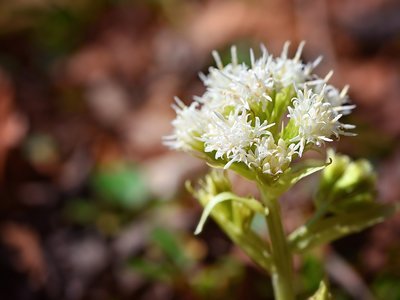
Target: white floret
{"points": [[288, 71], [270, 157], [188, 126], [231, 137], [317, 119]]}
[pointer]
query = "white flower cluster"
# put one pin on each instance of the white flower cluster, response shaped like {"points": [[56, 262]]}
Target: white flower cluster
{"points": [[260, 116], [316, 118]]}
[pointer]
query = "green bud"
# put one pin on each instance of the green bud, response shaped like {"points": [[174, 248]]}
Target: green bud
{"points": [[346, 184], [334, 170], [357, 173]]}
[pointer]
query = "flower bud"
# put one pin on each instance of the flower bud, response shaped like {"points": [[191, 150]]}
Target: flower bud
{"points": [[346, 184], [334, 170]]}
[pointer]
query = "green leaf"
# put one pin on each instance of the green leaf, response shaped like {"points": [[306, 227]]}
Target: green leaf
{"points": [[121, 184], [293, 175], [305, 169], [227, 196], [331, 228], [322, 293]]}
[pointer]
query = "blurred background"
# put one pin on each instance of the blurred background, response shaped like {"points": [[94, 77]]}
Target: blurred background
{"points": [[92, 206]]}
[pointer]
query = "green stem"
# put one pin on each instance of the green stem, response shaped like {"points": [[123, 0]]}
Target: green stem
{"points": [[282, 272]]}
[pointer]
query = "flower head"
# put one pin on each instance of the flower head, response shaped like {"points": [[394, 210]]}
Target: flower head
{"points": [[261, 116], [233, 136], [316, 118], [270, 157]]}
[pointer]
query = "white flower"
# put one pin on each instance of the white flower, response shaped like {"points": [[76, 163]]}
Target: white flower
{"points": [[189, 125], [253, 86], [338, 99], [231, 137], [317, 119], [219, 83], [271, 158], [288, 71]]}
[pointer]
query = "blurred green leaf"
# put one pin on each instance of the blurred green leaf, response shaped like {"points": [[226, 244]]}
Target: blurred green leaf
{"points": [[311, 272], [121, 185]]}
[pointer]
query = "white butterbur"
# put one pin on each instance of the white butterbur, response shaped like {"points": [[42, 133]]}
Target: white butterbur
{"points": [[257, 120], [241, 117]]}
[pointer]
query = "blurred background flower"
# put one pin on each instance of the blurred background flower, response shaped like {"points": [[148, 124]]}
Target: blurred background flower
{"points": [[92, 205]]}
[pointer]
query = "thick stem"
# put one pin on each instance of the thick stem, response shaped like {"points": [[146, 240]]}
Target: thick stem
{"points": [[282, 272]]}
